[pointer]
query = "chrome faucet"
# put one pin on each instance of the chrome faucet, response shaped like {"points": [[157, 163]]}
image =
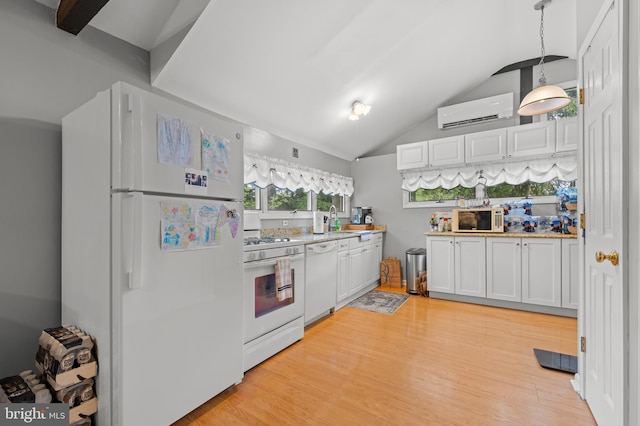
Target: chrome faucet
{"points": [[335, 214]]}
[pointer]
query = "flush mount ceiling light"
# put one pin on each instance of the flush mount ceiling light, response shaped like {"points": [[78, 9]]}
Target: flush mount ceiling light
{"points": [[358, 109], [543, 98]]}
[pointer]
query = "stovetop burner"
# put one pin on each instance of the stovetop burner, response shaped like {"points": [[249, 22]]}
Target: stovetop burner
{"points": [[265, 240]]}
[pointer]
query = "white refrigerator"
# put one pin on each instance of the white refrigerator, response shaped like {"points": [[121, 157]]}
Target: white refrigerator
{"points": [[152, 251]]}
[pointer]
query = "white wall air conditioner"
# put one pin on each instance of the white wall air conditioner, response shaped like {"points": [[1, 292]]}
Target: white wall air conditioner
{"points": [[478, 111]]}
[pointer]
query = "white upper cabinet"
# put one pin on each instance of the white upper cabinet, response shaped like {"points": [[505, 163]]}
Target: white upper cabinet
{"points": [[531, 139], [567, 134], [486, 146], [446, 151], [527, 140], [412, 155]]}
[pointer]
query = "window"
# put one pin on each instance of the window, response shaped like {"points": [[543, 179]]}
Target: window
{"points": [[325, 201], [441, 194], [286, 200], [251, 197], [527, 189], [496, 193], [281, 202], [570, 110]]}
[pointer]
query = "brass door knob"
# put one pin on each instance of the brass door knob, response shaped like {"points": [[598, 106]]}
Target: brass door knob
{"points": [[613, 257]]}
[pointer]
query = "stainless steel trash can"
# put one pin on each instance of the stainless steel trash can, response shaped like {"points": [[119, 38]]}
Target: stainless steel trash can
{"points": [[416, 264]]}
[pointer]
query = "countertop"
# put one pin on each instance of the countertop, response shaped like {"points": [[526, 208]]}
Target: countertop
{"points": [[333, 235], [502, 234]]}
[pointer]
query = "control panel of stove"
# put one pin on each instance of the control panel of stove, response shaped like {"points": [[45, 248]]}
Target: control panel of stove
{"points": [[262, 253]]}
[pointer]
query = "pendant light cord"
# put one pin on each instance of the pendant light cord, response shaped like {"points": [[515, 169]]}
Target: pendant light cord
{"points": [[543, 80]]}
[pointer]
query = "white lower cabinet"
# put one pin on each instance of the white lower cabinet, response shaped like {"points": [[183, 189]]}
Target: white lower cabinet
{"points": [[440, 264], [470, 266], [541, 275], [343, 271], [504, 269], [539, 271], [378, 247], [456, 265], [570, 283], [370, 261], [356, 265]]}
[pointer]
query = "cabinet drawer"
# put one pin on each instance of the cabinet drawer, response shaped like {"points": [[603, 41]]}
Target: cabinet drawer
{"points": [[343, 245], [355, 243]]}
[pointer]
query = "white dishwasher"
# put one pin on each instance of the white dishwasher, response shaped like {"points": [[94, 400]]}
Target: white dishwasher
{"points": [[321, 272]]}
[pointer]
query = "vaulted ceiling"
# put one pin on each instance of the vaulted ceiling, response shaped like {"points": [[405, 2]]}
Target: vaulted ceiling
{"points": [[294, 67]]}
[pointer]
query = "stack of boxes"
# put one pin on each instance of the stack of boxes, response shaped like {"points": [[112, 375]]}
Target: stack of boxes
{"points": [[66, 361], [26, 387]]}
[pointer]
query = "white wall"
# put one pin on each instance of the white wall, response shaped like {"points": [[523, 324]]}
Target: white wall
{"points": [[46, 73], [560, 71]]}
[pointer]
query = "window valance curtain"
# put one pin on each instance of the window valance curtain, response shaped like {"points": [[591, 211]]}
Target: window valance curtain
{"points": [[513, 172], [264, 171]]}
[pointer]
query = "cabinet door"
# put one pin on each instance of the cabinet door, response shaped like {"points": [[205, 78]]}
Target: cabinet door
{"points": [[541, 276], [531, 139], [378, 247], [567, 134], [440, 266], [412, 155], [356, 273], [486, 146], [369, 269], [470, 266], [343, 276], [446, 151], [570, 281], [504, 271]]}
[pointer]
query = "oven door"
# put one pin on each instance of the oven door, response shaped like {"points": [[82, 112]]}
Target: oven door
{"points": [[262, 310]]}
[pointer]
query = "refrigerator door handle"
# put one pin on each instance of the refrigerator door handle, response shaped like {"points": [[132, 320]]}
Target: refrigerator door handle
{"points": [[138, 133], [129, 147], [134, 274]]}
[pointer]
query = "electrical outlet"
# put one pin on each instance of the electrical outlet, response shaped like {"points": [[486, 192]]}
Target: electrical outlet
{"points": [[285, 222], [294, 152]]}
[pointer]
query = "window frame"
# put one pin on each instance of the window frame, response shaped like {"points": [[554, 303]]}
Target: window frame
{"points": [[406, 204], [571, 84], [265, 213]]}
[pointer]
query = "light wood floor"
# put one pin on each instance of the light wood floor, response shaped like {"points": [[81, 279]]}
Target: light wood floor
{"points": [[433, 362]]}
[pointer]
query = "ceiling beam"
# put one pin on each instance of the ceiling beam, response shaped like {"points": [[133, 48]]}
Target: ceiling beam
{"points": [[528, 63], [73, 15]]}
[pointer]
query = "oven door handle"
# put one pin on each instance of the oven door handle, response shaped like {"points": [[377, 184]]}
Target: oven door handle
{"points": [[270, 262]]}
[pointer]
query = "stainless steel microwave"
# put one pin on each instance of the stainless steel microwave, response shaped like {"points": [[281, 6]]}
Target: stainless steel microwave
{"points": [[478, 220]]}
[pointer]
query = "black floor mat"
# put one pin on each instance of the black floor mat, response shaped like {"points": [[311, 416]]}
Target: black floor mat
{"points": [[557, 361]]}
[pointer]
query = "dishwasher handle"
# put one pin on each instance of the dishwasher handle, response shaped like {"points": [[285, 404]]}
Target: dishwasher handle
{"points": [[321, 248]]}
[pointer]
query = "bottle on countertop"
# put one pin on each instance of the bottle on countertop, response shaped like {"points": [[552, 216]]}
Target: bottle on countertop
{"points": [[445, 226], [338, 225]]}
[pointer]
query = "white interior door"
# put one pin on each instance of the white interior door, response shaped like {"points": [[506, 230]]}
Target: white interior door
{"points": [[604, 206]]}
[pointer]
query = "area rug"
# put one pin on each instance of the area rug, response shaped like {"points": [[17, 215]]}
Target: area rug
{"points": [[379, 301]]}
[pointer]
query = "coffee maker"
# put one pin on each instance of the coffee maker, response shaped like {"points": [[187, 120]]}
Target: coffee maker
{"points": [[359, 215]]}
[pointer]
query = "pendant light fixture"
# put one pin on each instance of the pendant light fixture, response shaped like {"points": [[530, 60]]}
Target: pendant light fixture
{"points": [[544, 98]]}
